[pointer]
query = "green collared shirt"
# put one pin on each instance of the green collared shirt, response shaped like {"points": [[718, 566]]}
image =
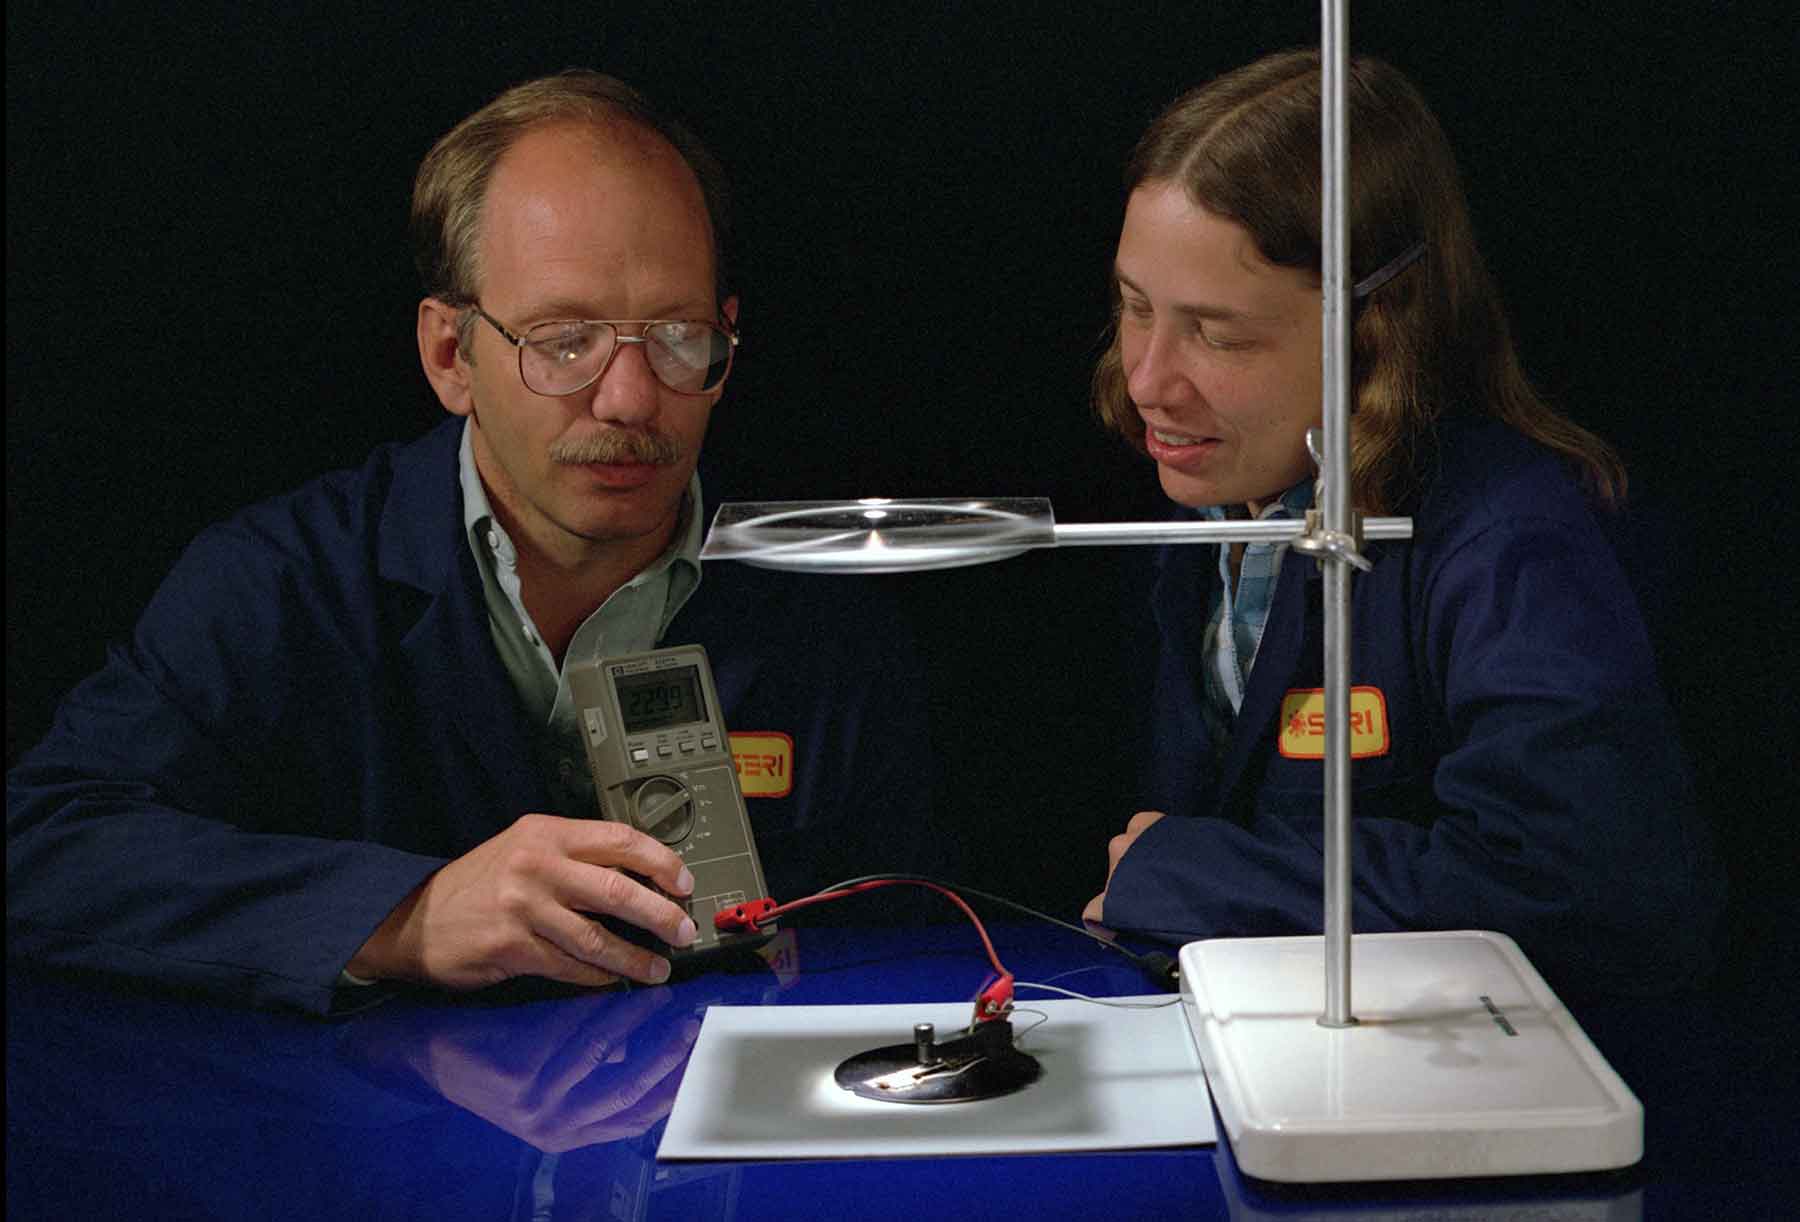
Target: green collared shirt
{"points": [[631, 620]]}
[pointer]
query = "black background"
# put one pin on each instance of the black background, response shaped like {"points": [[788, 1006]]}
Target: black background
{"points": [[210, 299]]}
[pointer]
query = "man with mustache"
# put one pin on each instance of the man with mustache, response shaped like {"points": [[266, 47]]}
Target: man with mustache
{"points": [[341, 746]]}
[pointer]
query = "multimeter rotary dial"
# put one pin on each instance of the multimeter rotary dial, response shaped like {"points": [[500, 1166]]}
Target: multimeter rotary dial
{"points": [[664, 808]]}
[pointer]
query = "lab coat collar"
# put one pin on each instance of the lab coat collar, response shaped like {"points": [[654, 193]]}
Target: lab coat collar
{"points": [[438, 612], [1285, 644]]}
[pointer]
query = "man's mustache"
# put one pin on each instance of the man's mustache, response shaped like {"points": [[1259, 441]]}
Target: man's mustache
{"points": [[617, 446]]}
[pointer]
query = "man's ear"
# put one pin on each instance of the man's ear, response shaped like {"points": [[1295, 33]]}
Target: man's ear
{"points": [[440, 352]]}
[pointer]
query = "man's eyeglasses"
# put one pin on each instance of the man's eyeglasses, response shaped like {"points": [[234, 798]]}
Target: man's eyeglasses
{"points": [[687, 355]]}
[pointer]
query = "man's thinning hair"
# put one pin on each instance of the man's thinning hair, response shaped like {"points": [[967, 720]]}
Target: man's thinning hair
{"points": [[450, 189]]}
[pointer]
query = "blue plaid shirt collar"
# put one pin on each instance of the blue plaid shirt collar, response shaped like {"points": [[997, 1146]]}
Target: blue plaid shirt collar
{"points": [[1239, 611]]}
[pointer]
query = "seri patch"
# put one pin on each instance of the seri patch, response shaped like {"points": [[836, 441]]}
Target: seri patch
{"points": [[764, 761], [1303, 723]]}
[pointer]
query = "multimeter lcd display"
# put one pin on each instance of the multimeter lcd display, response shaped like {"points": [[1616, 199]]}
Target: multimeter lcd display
{"points": [[660, 698]]}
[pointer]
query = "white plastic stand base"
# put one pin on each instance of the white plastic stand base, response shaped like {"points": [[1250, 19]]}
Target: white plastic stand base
{"points": [[1462, 1062]]}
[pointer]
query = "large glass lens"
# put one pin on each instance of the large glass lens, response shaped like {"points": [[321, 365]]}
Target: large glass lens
{"points": [[690, 357], [559, 358]]}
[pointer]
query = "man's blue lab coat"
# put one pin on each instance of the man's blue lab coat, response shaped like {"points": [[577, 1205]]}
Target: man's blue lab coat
{"points": [[1518, 767], [311, 717]]}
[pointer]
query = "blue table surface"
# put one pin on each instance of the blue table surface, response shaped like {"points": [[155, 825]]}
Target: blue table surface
{"points": [[122, 1103]]}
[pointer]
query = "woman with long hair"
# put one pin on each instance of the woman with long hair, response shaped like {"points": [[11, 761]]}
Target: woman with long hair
{"points": [[1514, 763]]}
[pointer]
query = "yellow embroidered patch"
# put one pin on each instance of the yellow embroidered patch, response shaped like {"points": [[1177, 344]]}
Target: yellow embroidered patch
{"points": [[1303, 723], [765, 762]]}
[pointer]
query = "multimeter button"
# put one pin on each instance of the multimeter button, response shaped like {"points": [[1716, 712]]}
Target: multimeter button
{"points": [[640, 755], [708, 741], [664, 750], [687, 746]]}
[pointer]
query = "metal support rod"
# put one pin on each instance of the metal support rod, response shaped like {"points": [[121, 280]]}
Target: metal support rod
{"points": [[1273, 530], [1334, 149]]}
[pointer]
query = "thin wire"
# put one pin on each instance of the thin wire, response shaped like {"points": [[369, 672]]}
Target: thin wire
{"points": [[858, 886], [1137, 959], [1099, 1001]]}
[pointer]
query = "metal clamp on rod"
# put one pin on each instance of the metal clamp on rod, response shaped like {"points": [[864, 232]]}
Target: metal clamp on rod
{"points": [[1315, 540], [1322, 544]]}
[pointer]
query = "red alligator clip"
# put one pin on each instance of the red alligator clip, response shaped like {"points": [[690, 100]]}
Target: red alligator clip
{"points": [[995, 1001]]}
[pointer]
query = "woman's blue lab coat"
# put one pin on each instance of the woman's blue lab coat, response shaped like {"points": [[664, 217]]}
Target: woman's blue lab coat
{"points": [[1518, 767]]}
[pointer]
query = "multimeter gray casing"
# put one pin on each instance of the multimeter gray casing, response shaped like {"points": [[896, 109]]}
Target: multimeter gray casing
{"points": [[661, 760]]}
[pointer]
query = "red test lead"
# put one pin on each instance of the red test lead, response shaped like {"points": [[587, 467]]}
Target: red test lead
{"points": [[741, 918], [992, 1003]]}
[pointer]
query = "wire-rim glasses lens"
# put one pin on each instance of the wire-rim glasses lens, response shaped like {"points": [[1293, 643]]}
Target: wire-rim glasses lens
{"points": [[561, 358]]}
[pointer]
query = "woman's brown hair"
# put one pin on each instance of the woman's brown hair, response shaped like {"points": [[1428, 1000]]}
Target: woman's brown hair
{"points": [[1432, 340]]}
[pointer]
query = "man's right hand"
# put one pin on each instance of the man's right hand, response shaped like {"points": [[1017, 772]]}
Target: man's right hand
{"points": [[517, 905]]}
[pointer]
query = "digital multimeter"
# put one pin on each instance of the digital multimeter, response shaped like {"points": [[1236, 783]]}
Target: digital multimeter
{"points": [[661, 760]]}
